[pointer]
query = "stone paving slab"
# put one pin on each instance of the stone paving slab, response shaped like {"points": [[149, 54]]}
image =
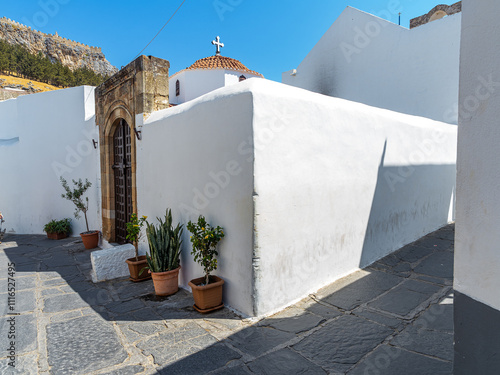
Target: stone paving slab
{"points": [[405, 298], [439, 264], [340, 344], [25, 333], [428, 342], [256, 341], [284, 362], [394, 317], [204, 361], [368, 287], [388, 360], [81, 345]]}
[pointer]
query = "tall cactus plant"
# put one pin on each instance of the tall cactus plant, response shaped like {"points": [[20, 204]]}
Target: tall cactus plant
{"points": [[164, 244]]}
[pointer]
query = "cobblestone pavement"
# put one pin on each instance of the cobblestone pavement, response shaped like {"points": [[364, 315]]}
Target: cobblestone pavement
{"points": [[394, 317]]}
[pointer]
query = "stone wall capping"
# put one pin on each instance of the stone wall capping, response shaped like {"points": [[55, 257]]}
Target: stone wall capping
{"points": [[426, 18]]}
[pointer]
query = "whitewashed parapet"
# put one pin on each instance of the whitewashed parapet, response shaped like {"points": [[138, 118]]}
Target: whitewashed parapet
{"points": [[110, 263]]}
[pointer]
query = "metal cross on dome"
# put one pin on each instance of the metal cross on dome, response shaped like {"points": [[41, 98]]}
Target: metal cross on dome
{"points": [[218, 45]]}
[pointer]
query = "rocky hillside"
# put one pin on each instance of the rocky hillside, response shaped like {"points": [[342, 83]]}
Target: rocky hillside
{"points": [[71, 54]]}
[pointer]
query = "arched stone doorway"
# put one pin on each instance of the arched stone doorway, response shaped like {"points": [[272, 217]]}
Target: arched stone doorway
{"points": [[118, 173], [122, 104]]}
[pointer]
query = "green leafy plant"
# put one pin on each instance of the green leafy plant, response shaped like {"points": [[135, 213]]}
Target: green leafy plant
{"points": [[134, 231], [58, 226], [164, 245], [75, 195], [205, 239]]}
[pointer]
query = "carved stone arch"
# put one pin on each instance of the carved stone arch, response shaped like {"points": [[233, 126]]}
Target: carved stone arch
{"points": [[438, 15]]}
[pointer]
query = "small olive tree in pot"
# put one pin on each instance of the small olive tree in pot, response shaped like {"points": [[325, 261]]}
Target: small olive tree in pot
{"points": [[138, 263], [207, 290], [90, 238]]}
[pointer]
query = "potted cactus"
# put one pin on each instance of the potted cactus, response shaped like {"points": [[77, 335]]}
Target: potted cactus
{"points": [[58, 229], [207, 290], [164, 254], [90, 238], [137, 263]]}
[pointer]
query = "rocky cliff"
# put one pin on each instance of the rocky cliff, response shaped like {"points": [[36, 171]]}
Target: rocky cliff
{"points": [[70, 53]]}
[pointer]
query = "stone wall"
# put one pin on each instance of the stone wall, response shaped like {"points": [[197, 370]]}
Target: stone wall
{"points": [[434, 14], [10, 94], [69, 52]]}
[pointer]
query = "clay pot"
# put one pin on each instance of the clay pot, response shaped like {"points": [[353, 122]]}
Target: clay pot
{"points": [[207, 297], [135, 267], [166, 283], [90, 239], [56, 236]]}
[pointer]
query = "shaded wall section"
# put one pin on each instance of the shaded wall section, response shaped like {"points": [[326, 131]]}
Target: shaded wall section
{"points": [[42, 137], [189, 160], [477, 255], [339, 185]]}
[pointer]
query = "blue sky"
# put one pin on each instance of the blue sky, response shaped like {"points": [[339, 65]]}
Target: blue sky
{"points": [[268, 36]]}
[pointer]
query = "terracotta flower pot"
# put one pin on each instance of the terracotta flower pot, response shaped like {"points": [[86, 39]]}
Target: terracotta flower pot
{"points": [[56, 236], [207, 297], [135, 267], [166, 283], [90, 239]]}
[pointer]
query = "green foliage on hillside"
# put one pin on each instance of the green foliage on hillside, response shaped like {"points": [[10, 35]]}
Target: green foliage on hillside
{"points": [[17, 59]]}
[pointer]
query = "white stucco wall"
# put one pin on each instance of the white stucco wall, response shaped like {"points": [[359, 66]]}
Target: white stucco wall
{"points": [[338, 185], [316, 197], [188, 161], [369, 60], [477, 259], [41, 137], [195, 83]]}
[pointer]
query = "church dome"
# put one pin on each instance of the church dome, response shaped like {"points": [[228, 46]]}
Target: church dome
{"points": [[221, 62]]}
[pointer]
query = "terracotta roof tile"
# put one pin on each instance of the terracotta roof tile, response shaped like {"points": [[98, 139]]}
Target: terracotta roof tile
{"points": [[220, 62]]}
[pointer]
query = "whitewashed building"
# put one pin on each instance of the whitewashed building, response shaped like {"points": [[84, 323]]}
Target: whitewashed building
{"points": [[369, 60], [308, 188], [207, 75]]}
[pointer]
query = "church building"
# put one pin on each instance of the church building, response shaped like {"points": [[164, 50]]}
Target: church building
{"points": [[206, 75]]}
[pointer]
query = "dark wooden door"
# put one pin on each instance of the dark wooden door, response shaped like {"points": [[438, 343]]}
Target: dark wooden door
{"points": [[122, 166]]}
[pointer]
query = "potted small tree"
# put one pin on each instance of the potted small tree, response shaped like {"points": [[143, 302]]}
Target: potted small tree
{"points": [[138, 263], [90, 238], [164, 255], [207, 290], [58, 229]]}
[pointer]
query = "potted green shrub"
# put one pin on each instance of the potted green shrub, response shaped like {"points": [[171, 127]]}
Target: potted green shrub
{"points": [[164, 255], [207, 290], [138, 263], [58, 229], [90, 238]]}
